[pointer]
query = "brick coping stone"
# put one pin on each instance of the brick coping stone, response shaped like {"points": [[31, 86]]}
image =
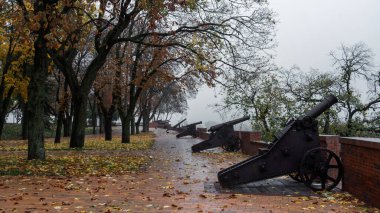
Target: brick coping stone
{"points": [[372, 143]]}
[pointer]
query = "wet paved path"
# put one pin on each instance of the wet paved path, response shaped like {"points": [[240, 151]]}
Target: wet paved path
{"points": [[175, 181]]}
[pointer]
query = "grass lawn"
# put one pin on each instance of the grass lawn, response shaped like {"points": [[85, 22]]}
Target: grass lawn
{"points": [[98, 157]]}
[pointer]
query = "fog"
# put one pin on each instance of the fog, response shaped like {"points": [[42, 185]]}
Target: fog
{"points": [[307, 31]]}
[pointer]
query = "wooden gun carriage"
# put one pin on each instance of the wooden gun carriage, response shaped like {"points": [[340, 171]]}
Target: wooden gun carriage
{"points": [[190, 129], [222, 135], [296, 151]]}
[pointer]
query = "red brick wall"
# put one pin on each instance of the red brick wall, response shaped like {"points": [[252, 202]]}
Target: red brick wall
{"points": [[153, 125], [250, 142], [361, 160], [158, 125], [247, 136], [252, 147], [201, 129], [202, 133], [331, 142]]}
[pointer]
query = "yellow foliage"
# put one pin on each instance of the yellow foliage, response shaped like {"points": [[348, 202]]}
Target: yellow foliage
{"points": [[17, 50], [141, 141], [72, 165], [99, 157]]}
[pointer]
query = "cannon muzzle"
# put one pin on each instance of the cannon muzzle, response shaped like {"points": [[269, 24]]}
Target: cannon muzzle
{"points": [[193, 124], [229, 123], [179, 123], [190, 129], [321, 107]]}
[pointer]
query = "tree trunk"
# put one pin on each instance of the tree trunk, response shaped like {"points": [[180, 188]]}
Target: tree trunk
{"points": [[66, 125], [4, 109], [59, 127], [108, 126], [133, 125], [101, 122], [37, 94], [79, 122], [349, 125], [94, 122], [2, 121], [125, 129], [24, 130], [326, 126], [3, 114], [145, 117], [138, 124]]}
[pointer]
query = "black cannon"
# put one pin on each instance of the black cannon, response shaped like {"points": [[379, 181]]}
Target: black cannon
{"points": [[222, 135], [190, 129], [296, 151], [176, 127]]}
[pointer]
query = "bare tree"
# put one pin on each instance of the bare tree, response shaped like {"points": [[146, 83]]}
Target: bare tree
{"points": [[355, 66]]}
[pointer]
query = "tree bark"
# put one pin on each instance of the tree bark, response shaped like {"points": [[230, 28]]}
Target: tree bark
{"points": [[326, 126], [94, 117], [24, 121], [66, 125], [108, 125], [138, 124], [125, 129], [94, 121], [58, 131], [349, 125], [101, 122], [37, 93], [145, 117], [133, 125], [79, 122]]}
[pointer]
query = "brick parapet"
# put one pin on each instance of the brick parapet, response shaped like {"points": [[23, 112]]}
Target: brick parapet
{"points": [[331, 142], [361, 160]]}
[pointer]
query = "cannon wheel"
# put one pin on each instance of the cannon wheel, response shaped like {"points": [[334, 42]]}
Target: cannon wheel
{"points": [[296, 176], [234, 146], [321, 169]]}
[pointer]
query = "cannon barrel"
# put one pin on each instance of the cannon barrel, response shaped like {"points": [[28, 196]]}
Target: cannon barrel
{"points": [[321, 107], [193, 124], [190, 129], [233, 122], [179, 123]]}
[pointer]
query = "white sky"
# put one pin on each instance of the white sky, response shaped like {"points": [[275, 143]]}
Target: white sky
{"points": [[306, 32]]}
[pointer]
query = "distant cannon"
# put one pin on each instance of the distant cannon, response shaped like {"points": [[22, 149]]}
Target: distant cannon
{"points": [[161, 124], [176, 127], [296, 151], [222, 135], [190, 129]]}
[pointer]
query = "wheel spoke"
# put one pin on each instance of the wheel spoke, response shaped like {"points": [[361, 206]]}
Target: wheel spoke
{"points": [[331, 178], [315, 168], [328, 159]]}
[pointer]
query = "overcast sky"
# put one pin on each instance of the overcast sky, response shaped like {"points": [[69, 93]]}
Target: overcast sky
{"points": [[306, 32]]}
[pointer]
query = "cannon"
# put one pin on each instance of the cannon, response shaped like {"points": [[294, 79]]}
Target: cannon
{"points": [[222, 135], [190, 129], [162, 124], [176, 127], [295, 151]]}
